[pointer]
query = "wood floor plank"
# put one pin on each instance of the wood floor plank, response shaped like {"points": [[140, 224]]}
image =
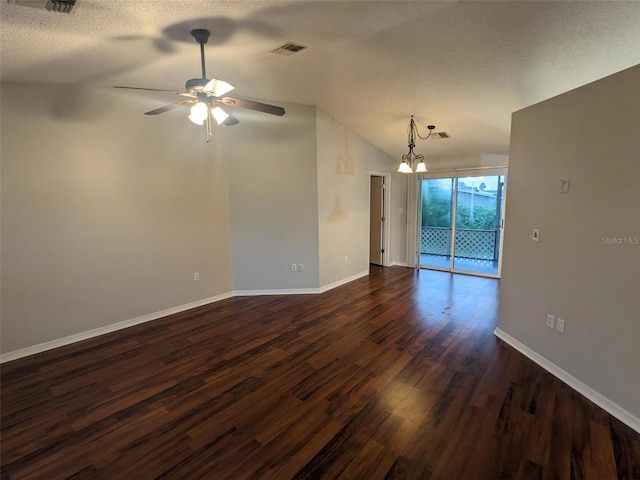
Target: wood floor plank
{"points": [[393, 376]]}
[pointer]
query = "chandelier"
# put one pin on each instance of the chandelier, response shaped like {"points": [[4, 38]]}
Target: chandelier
{"points": [[411, 161]]}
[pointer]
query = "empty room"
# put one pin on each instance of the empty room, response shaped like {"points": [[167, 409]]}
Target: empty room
{"points": [[299, 239]]}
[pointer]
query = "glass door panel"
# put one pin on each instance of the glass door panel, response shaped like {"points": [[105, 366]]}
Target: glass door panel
{"points": [[478, 224], [437, 218]]}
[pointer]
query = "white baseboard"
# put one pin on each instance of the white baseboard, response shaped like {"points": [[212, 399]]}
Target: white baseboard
{"points": [[333, 285], [398, 264], [279, 291], [60, 342], [42, 347], [301, 291], [603, 402]]}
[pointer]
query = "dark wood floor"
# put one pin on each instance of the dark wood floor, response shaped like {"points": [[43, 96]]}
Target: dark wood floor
{"points": [[397, 375]]}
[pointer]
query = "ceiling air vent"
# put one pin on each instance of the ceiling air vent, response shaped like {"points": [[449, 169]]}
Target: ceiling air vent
{"points": [[288, 48], [62, 6], [440, 135]]}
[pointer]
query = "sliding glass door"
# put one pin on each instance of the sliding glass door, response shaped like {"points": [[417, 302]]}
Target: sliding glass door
{"points": [[437, 222], [462, 224]]}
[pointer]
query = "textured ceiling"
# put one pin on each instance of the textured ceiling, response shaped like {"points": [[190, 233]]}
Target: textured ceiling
{"points": [[463, 66]]}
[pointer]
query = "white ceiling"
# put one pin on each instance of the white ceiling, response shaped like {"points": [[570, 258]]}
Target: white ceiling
{"points": [[463, 66]]}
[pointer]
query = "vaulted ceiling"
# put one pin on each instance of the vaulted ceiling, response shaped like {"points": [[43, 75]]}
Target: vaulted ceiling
{"points": [[463, 66]]}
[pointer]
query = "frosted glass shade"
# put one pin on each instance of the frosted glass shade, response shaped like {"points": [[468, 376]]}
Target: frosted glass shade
{"points": [[219, 114], [404, 168], [199, 113], [421, 168]]}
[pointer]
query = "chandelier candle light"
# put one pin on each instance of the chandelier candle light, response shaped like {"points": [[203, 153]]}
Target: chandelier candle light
{"points": [[411, 158]]}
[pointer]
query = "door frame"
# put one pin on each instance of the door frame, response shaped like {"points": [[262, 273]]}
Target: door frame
{"points": [[386, 209]]}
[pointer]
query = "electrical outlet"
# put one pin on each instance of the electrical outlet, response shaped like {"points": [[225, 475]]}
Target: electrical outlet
{"points": [[196, 277], [560, 325], [294, 267], [346, 258], [550, 320]]}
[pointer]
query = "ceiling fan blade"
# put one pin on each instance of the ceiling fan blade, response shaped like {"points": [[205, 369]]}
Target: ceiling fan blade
{"points": [[218, 87], [166, 108], [148, 89], [250, 104]]}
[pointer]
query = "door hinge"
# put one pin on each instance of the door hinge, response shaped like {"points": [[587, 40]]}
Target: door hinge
{"points": [[382, 250], [382, 219]]}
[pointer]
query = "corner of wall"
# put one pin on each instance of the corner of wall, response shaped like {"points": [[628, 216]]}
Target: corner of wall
{"points": [[585, 266]]}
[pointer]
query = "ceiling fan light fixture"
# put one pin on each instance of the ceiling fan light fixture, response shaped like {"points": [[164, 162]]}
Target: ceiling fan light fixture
{"points": [[219, 114], [199, 113], [205, 96], [196, 120]]}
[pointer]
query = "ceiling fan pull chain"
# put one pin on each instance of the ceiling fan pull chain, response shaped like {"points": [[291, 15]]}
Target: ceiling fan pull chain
{"points": [[209, 133]]}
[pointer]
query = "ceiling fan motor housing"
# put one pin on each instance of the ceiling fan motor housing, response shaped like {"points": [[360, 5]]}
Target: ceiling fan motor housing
{"points": [[196, 84]]}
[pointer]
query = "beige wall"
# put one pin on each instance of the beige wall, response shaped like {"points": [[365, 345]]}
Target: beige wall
{"points": [[106, 214], [462, 162], [590, 135], [345, 161]]}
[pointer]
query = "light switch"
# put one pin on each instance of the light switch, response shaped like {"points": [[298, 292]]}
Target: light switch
{"points": [[535, 235], [550, 320]]}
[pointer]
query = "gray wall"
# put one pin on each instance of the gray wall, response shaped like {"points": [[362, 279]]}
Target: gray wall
{"points": [[590, 135], [274, 199], [299, 190], [106, 214]]}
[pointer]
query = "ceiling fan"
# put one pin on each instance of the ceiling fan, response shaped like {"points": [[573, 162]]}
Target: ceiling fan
{"points": [[207, 96]]}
